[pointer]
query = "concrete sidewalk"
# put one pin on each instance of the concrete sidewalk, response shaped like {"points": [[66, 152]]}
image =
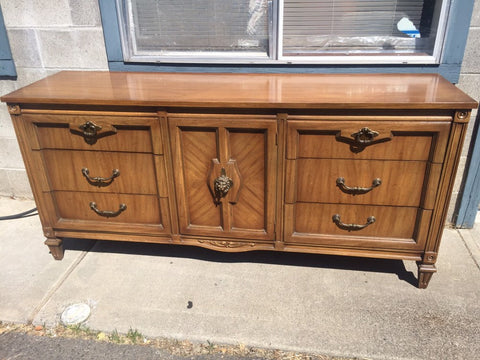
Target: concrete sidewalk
{"points": [[340, 306]]}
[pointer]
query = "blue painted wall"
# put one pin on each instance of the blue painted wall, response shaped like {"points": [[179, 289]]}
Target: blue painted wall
{"points": [[470, 198], [7, 67]]}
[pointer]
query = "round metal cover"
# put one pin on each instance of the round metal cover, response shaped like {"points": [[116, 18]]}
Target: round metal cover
{"points": [[75, 314]]}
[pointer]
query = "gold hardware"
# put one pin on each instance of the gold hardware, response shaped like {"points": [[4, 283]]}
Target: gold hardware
{"points": [[91, 132], [352, 227], [99, 181], [107, 213], [221, 186], [357, 190], [363, 138]]}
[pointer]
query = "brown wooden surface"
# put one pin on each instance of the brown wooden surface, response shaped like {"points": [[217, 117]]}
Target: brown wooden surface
{"points": [[396, 222], [273, 91], [409, 140], [137, 171], [141, 209], [53, 132], [400, 181], [202, 145], [173, 133]]}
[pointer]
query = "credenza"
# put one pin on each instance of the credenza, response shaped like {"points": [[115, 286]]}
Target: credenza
{"points": [[355, 165]]}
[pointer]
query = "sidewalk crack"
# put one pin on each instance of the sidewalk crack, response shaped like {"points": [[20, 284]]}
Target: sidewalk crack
{"points": [[474, 254], [58, 284]]}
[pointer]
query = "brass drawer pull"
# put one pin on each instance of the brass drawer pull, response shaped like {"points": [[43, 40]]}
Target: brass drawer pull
{"points": [[351, 227], [357, 190], [100, 181], [107, 213]]}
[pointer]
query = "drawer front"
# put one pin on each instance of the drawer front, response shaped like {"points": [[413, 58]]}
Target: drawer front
{"points": [[373, 182], [376, 140], [129, 173], [138, 209], [394, 222], [103, 133], [363, 226]]}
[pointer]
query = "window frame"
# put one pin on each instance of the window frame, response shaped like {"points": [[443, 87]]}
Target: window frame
{"points": [[456, 32]]}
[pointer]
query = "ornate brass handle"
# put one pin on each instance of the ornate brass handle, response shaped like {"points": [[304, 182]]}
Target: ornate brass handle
{"points": [[91, 132], [357, 190], [107, 213], [351, 227], [100, 181], [221, 186]]}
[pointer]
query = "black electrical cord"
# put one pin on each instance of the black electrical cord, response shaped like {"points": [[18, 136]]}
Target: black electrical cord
{"points": [[20, 215]]}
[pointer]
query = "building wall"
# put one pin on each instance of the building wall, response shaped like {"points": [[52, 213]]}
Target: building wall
{"points": [[470, 83], [45, 37], [48, 36]]}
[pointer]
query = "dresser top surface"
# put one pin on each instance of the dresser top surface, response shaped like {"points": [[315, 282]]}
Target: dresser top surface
{"points": [[279, 91]]}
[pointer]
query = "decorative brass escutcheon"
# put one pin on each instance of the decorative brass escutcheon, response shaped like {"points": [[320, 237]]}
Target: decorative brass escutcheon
{"points": [[91, 132], [100, 181], [357, 190], [107, 213], [221, 186], [352, 227], [365, 136]]}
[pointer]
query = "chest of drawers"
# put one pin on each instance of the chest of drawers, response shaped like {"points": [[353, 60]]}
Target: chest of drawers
{"points": [[356, 165]]}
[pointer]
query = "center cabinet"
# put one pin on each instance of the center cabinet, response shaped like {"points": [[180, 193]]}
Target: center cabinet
{"points": [[225, 169]]}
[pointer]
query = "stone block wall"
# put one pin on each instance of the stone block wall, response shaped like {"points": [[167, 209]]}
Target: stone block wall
{"points": [[45, 37], [48, 36]]}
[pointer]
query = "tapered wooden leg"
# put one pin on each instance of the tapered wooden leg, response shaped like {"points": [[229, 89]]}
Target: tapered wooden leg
{"points": [[55, 245], [425, 272]]}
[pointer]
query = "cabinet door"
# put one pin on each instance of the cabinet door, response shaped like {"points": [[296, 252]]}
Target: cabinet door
{"points": [[225, 175], [366, 183]]}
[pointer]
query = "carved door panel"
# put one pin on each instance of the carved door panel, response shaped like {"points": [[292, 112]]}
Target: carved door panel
{"points": [[225, 175]]}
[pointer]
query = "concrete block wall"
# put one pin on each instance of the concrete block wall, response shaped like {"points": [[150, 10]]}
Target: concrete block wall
{"points": [[48, 36], [45, 37]]}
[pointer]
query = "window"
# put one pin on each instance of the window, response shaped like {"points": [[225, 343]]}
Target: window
{"points": [[283, 31]]}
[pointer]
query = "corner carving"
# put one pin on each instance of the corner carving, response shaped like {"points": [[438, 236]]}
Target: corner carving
{"points": [[462, 116], [14, 109]]}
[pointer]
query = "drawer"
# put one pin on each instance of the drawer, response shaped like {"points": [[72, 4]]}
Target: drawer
{"points": [[105, 133], [375, 182], [371, 140], [390, 222], [140, 209], [132, 173]]}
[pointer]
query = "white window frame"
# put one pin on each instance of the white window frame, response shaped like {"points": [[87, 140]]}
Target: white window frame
{"points": [[275, 52]]}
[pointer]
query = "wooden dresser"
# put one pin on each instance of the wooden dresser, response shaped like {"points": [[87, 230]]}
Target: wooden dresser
{"points": [[357, 165]]}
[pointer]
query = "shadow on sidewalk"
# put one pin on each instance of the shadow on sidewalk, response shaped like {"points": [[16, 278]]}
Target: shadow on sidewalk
{"points": [[257, 256]]}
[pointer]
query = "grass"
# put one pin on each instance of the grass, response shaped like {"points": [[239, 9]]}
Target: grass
{"points": [[183, 348], [134, 336]]}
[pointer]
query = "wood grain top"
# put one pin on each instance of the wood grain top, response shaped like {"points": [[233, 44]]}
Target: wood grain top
{"points": [[279, 91]]}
